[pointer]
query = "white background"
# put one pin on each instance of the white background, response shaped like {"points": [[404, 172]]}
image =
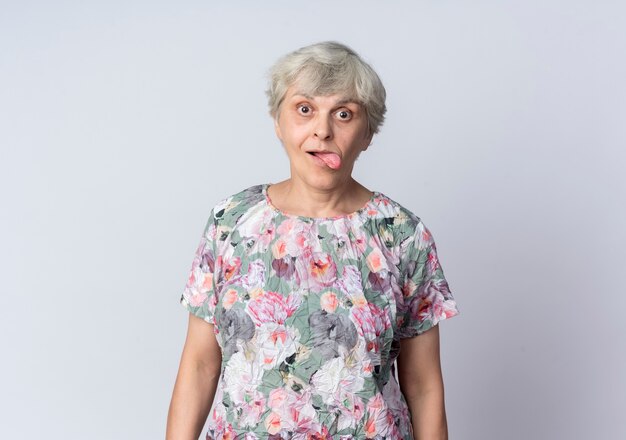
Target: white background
{"points": [[123, 122]]}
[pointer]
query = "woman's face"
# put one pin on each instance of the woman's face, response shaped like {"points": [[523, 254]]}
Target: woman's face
{"points": [[323, 136]]}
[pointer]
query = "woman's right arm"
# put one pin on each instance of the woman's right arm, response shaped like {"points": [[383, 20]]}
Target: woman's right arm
{"points": [[198, 375]]}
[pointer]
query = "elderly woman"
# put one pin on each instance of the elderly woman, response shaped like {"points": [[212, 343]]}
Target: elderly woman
{"points": [[305, 293]]}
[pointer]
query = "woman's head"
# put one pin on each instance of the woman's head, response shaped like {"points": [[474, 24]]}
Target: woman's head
{"points": [[329, 68]]}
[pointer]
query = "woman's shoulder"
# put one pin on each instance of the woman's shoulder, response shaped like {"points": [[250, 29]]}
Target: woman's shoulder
{"points": [[401, 228], [229, 209], [395, 214]]}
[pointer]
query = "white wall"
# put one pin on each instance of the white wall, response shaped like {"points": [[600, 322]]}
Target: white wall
{"points": [[122, 122]]}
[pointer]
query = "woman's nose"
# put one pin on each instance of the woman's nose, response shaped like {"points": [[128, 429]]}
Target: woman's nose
{"points": [[322, 129]]}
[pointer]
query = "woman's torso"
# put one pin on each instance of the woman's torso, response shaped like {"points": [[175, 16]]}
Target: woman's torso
{"points": [[306, 318]]}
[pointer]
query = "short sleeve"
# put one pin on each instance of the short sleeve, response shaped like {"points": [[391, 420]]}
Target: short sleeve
{"points": [[426, 296], [199, 296]]}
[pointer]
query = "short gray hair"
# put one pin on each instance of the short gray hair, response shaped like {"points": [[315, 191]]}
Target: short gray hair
{"points": [[324, 69]]}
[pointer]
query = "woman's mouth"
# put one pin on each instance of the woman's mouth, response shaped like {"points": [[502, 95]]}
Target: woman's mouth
{"points": [[331, 160]]}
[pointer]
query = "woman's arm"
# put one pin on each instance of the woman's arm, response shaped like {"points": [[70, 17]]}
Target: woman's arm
{"points": [[421, 382], [198, 375]]}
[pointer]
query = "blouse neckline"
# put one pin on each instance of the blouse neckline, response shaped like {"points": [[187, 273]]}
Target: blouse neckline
{"points": [[350, 215]]}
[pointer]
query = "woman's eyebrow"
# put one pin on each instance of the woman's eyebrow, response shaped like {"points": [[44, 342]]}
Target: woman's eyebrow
{"points": [[342, 101], [304, 95], [347, 101]]}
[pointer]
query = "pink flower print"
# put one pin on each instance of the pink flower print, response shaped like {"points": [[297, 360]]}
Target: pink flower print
{"points": [[390, 255], [359, 300], [426, 237], [380, 420], [219, 412], [376, 261], [396, 404], [230, 267], [275, 343], [229, 433], [272, 423], [258, 226], [256, 292], [372, 322], [450, 309], [425, 308], [294, 410], [211, 232], [382, 201], [370, 428], [230, 298], [296, 244], [341, 229], [379, 206], [277, 398], [352, 410], [266, 236], [322, 270], [372, 212], [255, 275], [291, 240], [198, 287], [252, 410], [329, 302], [360, 245], [207, 282], [359, 241], [294, 414], [408, 287], [305, 421], [290, 226], [432, 262], [279, 248], [351, 286], [422, 238], [323, 435], [204, 257], [200, 281], [198, 299], [191, 281], [273, 307], [432, 302], [279, 335], [376, 403]]}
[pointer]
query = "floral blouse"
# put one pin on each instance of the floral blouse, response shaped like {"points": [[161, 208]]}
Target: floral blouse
{"points": [[309, 313]]}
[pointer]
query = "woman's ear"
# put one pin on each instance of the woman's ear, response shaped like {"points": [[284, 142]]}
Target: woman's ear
{"points": [[368, 141]]}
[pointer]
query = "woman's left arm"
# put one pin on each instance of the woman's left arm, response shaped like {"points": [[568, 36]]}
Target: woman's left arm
{"points": [[421, 382]]}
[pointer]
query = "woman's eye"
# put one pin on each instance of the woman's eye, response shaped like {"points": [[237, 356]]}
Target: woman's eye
{"points": [[304, 109], [344, 115]]}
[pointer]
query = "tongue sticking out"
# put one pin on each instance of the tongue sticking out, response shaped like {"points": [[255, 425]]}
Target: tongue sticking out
{"points": [[331, 159]]}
